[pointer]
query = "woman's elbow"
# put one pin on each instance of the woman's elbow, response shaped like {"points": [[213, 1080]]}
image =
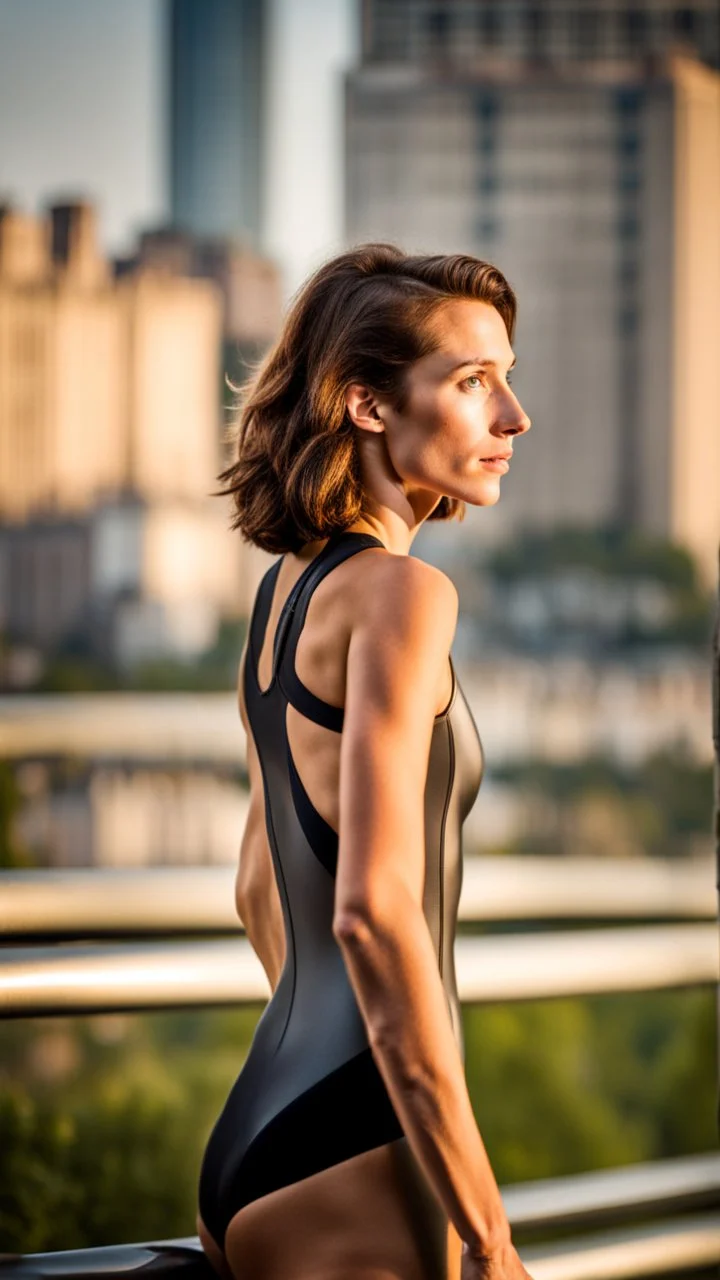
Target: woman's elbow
{"points": [[352, 926], [364, 922]]}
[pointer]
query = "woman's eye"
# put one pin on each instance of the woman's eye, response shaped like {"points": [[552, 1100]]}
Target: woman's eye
{"points": [[474, 381]]}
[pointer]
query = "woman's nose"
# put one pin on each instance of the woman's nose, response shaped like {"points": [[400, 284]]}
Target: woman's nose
{"points": [[515, 422], [524, 422]]}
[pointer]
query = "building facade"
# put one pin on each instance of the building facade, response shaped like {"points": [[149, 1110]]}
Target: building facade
{"points": [[475, 32], [596, 188], [216, 73], [110, 446]]}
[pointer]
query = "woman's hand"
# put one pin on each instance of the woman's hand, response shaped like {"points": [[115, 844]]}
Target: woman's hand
{"points": [[501, 1264]]}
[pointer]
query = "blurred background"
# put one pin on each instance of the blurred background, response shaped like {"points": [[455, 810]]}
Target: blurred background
{"points": [[170, 172]]}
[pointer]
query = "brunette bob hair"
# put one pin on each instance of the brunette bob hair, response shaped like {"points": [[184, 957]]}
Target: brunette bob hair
{"points": [[364, 316]]}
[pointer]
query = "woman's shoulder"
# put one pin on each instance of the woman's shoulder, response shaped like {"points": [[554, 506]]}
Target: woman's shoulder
{"points": [[402, 591]]}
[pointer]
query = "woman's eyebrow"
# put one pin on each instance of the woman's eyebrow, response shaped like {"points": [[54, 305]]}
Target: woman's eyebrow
{"points": [[480, 360]]}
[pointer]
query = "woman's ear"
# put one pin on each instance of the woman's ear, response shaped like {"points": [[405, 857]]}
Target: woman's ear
{"points": [[362, 408]]}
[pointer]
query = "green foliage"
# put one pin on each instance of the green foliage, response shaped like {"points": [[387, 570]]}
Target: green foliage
{"points": [[82, 1173], [612, 552], [12, 853], [67, 673], [569, 1085], [104, 1120], [214, 671], [660, 805], [110, 1151], [612, 558]]}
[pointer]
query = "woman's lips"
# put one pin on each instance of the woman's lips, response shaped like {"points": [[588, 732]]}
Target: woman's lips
{"points": [[499, 465]]}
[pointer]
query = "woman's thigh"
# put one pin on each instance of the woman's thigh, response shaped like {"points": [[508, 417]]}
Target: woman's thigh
{"points": [[370, 1218], [212, 1251]]}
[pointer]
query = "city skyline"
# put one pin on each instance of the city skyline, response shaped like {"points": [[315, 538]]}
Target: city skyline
{"points": [[81, 88], [82, 128]]}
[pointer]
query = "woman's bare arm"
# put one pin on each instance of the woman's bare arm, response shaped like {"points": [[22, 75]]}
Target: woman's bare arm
{"points": [[256, 893], [404, 619]]}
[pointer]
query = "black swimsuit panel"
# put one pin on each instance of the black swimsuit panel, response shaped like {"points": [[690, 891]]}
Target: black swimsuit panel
{"points": [[310, 1094]]}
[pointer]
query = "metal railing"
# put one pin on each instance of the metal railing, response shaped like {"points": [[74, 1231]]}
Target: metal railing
{"points": [[105, 977], [81, 942], [678, 1200], [98, 902], [48, 976]]}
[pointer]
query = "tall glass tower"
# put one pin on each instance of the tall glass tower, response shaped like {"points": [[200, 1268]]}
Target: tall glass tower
{"points": [[216, 76]]}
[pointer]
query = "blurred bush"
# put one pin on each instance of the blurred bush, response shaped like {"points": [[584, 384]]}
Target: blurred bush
{"points": [[103, 1120]]}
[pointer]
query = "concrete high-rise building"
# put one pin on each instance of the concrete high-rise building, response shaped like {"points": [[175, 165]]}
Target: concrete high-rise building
{"points": [[595, 186], [107, 386], [216, 109], [109, 446], [249, 283], [469, 33]]}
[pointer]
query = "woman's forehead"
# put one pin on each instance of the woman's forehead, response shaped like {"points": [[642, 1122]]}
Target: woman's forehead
{"points": [[469, 331]]}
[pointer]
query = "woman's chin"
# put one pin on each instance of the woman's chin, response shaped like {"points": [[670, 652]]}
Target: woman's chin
{"points": [[487, 494]]}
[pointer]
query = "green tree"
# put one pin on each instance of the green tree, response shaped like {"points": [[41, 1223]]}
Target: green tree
{"points": [[562, 1086], [13, 854]]}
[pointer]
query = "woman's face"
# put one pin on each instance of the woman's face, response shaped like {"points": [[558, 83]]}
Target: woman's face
{"points": [[456, 430]]}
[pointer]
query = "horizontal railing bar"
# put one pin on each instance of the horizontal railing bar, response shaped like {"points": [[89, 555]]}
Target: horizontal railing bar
{"points": [[602, 1195], [97, 902], [669, 1247], [586, 962], [657, 1249], [100, 977], [189, 727], [58, 903]]}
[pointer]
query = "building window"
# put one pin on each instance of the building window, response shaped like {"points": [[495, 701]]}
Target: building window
{"points": [[628, 273], [486, 228], [635, 29], [438, 30], [490, 23], [684, 21], [629, 144], [487, 107], [628, 101], [628, 226], [535, 30], [628, 320], [629, 181], [587, 33]]}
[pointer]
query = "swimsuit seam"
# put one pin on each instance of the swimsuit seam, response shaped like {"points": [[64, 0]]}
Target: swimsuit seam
{"points": [[441, 859]]}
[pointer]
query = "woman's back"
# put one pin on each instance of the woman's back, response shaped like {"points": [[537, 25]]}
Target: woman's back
{"points": [[310, 1097]]}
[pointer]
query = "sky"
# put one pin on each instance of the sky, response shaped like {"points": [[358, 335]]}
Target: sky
{"points": [[81, 109], [82, 113], [312, 43]]}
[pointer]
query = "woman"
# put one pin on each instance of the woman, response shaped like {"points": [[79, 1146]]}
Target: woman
{"points": [[347, 1149]]}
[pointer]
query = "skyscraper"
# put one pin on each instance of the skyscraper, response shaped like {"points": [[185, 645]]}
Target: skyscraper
{"points": [[592, 178], [471, 33], [216, 73]]}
